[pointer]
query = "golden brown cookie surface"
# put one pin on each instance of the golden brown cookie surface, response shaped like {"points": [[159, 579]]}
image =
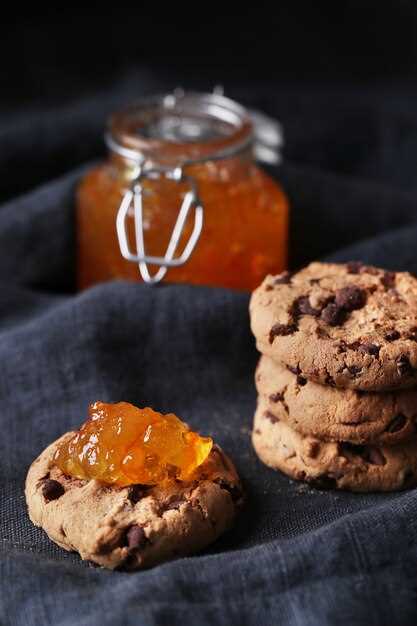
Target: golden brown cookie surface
{"points": [[333, 465], [137, 526], [350, 326], [334, 414]]}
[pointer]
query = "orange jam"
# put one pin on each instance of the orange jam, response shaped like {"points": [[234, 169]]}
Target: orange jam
{"points": [[123, 445], [245, 228]]}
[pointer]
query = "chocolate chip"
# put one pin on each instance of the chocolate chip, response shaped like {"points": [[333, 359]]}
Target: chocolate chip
{"points": [[347, 448], [137, 492], [392, 335], [294, 370], [135, 537], [52, 490], [397, 423], [281, 330], [350, 298], [354, 267], [271, 417], [234, 491], [404, 366], [283, 279], [354, 370], [333, 315], [301, 381], [302, 306], [276, 397], [369, 348], [388, 280]]}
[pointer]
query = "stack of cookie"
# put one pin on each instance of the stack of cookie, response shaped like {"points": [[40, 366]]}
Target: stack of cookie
{"points": [[337, 378]]}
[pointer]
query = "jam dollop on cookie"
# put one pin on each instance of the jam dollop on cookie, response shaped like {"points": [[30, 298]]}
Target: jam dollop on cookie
{"points": [[121, 444]]}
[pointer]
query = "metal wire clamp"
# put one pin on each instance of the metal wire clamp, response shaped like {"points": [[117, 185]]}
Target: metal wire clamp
{"points": [[266, 141], [134, 198]]}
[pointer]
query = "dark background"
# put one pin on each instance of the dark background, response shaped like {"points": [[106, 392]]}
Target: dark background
{"points": [[322, 62], [61, 53], [341, 77]]}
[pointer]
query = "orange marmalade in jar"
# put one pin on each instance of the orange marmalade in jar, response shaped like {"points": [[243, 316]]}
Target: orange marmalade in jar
{"points": [[181, 199]]}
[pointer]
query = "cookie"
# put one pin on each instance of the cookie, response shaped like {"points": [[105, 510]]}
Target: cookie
{"points": [[350, 326], [137, 526], [334, 414], [333, 465]]}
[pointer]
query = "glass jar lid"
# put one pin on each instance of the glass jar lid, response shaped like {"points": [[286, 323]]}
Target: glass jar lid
{"points": [[181, 129]]}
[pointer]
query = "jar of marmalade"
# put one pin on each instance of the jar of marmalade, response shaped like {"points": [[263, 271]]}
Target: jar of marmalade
{"points": [[181, 198]]}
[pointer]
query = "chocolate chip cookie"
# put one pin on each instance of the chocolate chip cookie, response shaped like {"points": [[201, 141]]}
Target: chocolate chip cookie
{"points": [[333, 414], [351, 326], [137, 526], [340, 465]]}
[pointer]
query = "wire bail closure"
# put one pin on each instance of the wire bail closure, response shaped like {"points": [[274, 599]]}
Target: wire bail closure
{"points": [[265, 141], [133, 198]]}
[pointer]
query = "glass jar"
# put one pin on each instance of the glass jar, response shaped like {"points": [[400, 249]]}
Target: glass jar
{"points": [[181, 199]]}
